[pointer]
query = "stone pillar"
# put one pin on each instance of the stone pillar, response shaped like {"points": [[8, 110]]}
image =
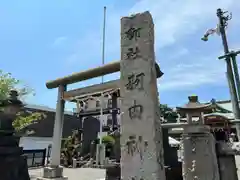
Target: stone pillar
{"points": [[227, 167], [100, 154], [226, 161], [141, 133], [54, 170], [199, 154]]}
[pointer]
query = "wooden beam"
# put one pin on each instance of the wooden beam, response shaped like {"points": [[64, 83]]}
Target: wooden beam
{"points": [[91, 73], [68, 95]]}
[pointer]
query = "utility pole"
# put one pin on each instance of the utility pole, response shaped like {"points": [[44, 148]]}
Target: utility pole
{"points": [[103, 38], [230, 58], [235, 69]]}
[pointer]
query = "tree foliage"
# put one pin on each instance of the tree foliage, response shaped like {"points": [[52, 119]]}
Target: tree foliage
{"points": [[22, 120], [108, 140], [7, 83], [168, 114]]}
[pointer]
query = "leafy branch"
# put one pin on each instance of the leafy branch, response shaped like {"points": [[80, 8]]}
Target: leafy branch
{"points": [[7, 83]]}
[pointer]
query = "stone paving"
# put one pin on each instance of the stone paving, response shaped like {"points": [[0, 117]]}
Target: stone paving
{"points": [[90, 173], [73, 174]]}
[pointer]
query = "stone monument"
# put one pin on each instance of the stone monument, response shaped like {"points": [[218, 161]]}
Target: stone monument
{"points": [[13, 165], [141, 133], [199, 159]]}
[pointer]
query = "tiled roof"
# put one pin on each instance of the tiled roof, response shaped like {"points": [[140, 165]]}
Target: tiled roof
{"points": [[227, 115], [45, 108], [227, 106]]}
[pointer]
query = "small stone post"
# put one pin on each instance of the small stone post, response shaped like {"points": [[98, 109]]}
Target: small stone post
{"points": [[141, 133], [199, 154]]}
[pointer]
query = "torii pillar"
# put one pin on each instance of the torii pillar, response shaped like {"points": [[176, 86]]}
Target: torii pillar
{"points": [[54, 170]]}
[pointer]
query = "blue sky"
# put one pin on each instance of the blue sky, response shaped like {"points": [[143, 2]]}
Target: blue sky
{"points": [[41, 40]]}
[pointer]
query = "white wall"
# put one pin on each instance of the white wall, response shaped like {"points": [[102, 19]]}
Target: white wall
{"points": [[35, 142]]}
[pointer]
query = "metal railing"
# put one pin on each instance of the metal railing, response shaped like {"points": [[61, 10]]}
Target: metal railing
{"points": [[35, 157]]}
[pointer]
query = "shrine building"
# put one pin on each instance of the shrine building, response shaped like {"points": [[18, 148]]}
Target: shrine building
{"points": [[219, 115]]}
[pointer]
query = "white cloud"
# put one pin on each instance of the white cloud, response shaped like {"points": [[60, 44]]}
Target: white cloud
{"points": [[207, 71], [59, 41], [174, 20]]}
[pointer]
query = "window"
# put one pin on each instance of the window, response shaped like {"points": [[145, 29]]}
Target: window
{"points": [[109, 104], [98, 104]]}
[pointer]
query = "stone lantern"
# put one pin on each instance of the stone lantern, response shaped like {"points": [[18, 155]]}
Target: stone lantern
{"points": [[194, 109], [13, 165], [199, 160]]}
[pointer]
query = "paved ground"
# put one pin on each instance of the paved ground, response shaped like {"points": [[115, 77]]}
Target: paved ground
{"points": [[91, 174], [73, 174]]}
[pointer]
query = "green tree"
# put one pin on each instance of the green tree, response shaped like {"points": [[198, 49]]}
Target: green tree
{"points": [[168, 114], [7, 83]]}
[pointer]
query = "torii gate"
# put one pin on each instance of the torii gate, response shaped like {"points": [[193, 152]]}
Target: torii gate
{"points": [[137, 85]]}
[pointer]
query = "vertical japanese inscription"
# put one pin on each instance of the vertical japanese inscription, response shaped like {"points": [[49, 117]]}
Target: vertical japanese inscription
{"points": [[133, 34], [135, 111], [135, 81], [133, 53], [139, 158]]}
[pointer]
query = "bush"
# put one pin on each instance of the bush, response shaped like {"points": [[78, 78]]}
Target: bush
{"points": [[108, 140]]}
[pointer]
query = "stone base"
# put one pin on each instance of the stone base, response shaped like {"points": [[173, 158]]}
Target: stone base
{"points": [[199, 154], [113, 173], [53, 172], [227, 167], [13, 168]]}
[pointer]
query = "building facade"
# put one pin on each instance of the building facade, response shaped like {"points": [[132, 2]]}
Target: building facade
{"points": [[94, 105], [39, 135]]}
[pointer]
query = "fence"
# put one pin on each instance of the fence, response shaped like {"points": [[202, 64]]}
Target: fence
{"points": [[35, 157]]}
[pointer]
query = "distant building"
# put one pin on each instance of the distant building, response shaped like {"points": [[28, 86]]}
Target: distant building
{"points": [[90, 106], [39, 135]]}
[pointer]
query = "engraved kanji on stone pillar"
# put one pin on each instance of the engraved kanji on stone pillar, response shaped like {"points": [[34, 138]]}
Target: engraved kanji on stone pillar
{"points": [[141, 136]]}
